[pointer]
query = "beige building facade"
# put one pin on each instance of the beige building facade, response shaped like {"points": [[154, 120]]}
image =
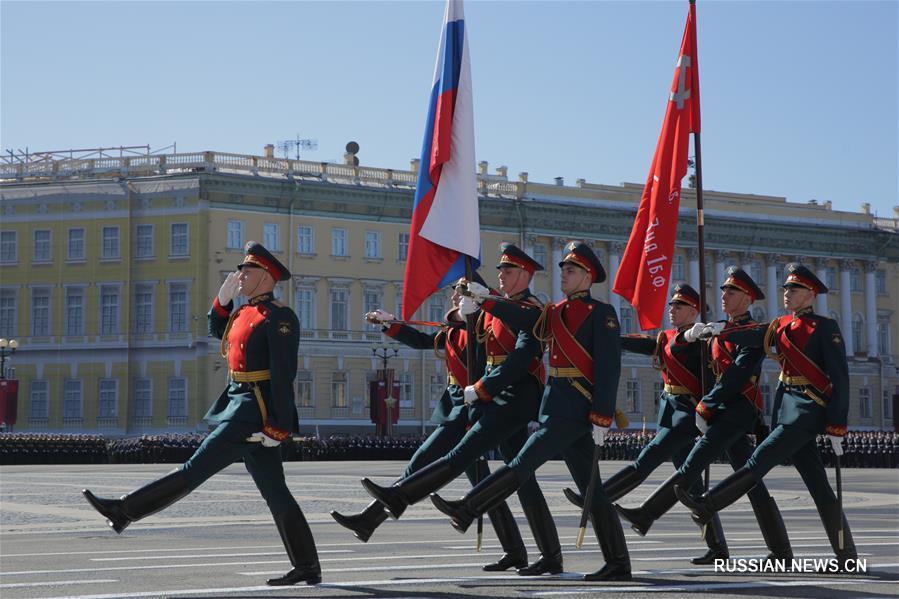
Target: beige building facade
{"points": [[108, 267]]}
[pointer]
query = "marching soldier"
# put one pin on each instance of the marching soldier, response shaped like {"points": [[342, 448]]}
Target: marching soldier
{"points": [[253, 415], [507, 396], [453, 418], [679, 364], [585, 363], [725, 416], [812, 397]]}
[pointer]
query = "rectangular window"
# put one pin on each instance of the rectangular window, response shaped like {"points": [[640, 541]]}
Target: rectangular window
{"points": [[540, 254], [880, 278], [766, 398], [864, 402], [855, 280], [8, 251], [180, 241], [306, 307], [74, 311], [833, 280], [40, 400], [8, 313], [108, 399], [657, 388], [143, 398], [110, 243], [677, 268], [304, 389], [42, 246], [437, 386], [338, 390], [402, 248], [143, 242], [633, 396], [235, 235], [406, 391], [338, 242], [340, 299], [887, 404], [71, 404], [76, 244], [305, 240], [271, 236], [178, 307], [755, 271], [437, 307], [143, 309], [883, 338], [177, 398], [40, 311], [372, 244], [627, 319], [371, 300], [109, 310]]}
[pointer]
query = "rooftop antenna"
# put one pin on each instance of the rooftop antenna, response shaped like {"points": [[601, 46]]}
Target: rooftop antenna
{"points": [[295, 144]]}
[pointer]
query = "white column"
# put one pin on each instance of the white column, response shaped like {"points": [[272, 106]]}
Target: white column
{"points": [[772, 289], [821, 300], [615, 249], [846, 306], [693, 256], [556, 291], [871, 308], [720, 270]]}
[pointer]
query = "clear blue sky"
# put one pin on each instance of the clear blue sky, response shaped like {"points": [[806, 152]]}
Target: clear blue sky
{"points": [[799, 99]]}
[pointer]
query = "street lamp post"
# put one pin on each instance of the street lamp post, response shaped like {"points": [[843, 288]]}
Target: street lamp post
{"points": [[7, 348], [385, 352]]}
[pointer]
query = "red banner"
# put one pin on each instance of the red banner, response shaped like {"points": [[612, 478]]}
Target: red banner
{"points": [[645, 271], [381, 402]]}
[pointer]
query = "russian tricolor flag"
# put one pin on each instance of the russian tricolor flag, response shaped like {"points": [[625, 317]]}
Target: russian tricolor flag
{"points": [[445, 225]]}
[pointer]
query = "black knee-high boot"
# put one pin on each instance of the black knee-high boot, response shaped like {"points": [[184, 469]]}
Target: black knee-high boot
{"points": [[616, 486], [412, 489], [547, 538], [661, 500], [365, 522], [722, 495], [610, 535], [515, 554], [297, 538], [773, 530], [485, 496], [149, 499]]}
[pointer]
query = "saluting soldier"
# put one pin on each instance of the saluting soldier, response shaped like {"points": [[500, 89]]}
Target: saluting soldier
{"points": [[812, 397], [725, 416], [585, 364], [679, 364], [453, 418], [253, 415], [507, 396]]}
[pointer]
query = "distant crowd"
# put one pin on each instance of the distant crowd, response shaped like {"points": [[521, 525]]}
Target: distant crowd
{"points": [[862, 449]]}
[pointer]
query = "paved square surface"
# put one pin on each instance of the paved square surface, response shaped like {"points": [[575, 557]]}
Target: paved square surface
{"points": [[220, 540]]}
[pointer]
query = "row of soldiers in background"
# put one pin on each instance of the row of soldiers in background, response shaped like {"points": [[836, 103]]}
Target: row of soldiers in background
{"points": [[862, 449]]}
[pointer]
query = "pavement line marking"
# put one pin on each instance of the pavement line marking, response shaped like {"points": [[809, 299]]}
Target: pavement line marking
{"points": [[450, 544], [197, 556], [699, 586], [20, 585]]}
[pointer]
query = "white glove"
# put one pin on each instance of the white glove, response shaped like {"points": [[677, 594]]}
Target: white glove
{"points": [[261, 437], [478, 290], [836, 443], [468, 306], [599, 434], [713, 329], [692, 334], [471, 396], [701, 424], [379, 316], [228, 290]]}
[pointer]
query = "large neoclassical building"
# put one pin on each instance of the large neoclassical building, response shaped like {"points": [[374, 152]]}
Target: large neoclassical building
{"points": [[109, 265]]}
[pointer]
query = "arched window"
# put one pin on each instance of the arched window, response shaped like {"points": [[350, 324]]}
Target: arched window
{"points": [[759, 314], [835, 316]]}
